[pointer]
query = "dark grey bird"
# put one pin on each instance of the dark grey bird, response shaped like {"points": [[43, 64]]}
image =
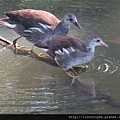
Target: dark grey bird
{"points": [[36, 36], [70, 51], [35, 24]]}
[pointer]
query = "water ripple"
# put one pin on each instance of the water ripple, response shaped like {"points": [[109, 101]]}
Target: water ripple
{"points": [[102, 66]]}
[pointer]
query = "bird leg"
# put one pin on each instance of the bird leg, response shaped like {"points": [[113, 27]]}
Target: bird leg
{"points": [[72, 73], [23, 50], [38, 55], [32, 49], [18, 47]]}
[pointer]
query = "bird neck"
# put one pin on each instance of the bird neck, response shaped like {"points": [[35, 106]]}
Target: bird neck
{"points": [[61, 29], [89, 47]]}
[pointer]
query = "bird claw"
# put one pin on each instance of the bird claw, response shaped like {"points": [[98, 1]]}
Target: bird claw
{"points": [[18, 48], [73, 77], [21, 49], [73, 80], [37, 55], [31, 50]]}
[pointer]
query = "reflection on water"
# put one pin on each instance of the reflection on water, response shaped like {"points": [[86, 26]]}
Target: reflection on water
{"points": [[31, 86], [25, 90]]}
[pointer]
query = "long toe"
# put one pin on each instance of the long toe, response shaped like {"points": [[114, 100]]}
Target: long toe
{"points": [[35, 54], [21, 50]]}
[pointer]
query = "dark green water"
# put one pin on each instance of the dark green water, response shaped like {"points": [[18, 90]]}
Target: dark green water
{"points": [[31, 86]]}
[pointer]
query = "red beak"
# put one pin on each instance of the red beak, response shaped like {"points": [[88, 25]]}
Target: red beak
{"points": [[103, 44]]}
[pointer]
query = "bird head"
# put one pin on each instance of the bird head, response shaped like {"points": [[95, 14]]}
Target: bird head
{"points": [[96, 41], [71, 19]]}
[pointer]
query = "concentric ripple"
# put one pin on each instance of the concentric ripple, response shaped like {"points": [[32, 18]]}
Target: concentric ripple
{"points": [[102, 66]]}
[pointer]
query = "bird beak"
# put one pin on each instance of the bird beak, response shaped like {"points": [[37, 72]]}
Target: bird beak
{"points": [[103, 44], [77, 24]]}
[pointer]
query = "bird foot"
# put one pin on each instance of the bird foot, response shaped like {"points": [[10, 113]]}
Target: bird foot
{"points": [[24, 50], [73, 79], [72, 74], [21, 49], [37, 55]]}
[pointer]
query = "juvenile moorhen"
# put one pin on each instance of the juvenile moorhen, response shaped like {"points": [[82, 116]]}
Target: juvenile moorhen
{"points": [[70, 51]]}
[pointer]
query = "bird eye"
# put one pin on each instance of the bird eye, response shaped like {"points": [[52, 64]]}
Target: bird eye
{"points": [[71, 19], [98, 40]]}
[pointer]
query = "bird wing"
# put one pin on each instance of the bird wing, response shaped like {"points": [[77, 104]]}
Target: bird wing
{"points": [[60, 44], [33, 18]]}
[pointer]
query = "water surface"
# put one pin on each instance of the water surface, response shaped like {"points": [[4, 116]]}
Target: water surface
{"points": [[28, 85]]}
